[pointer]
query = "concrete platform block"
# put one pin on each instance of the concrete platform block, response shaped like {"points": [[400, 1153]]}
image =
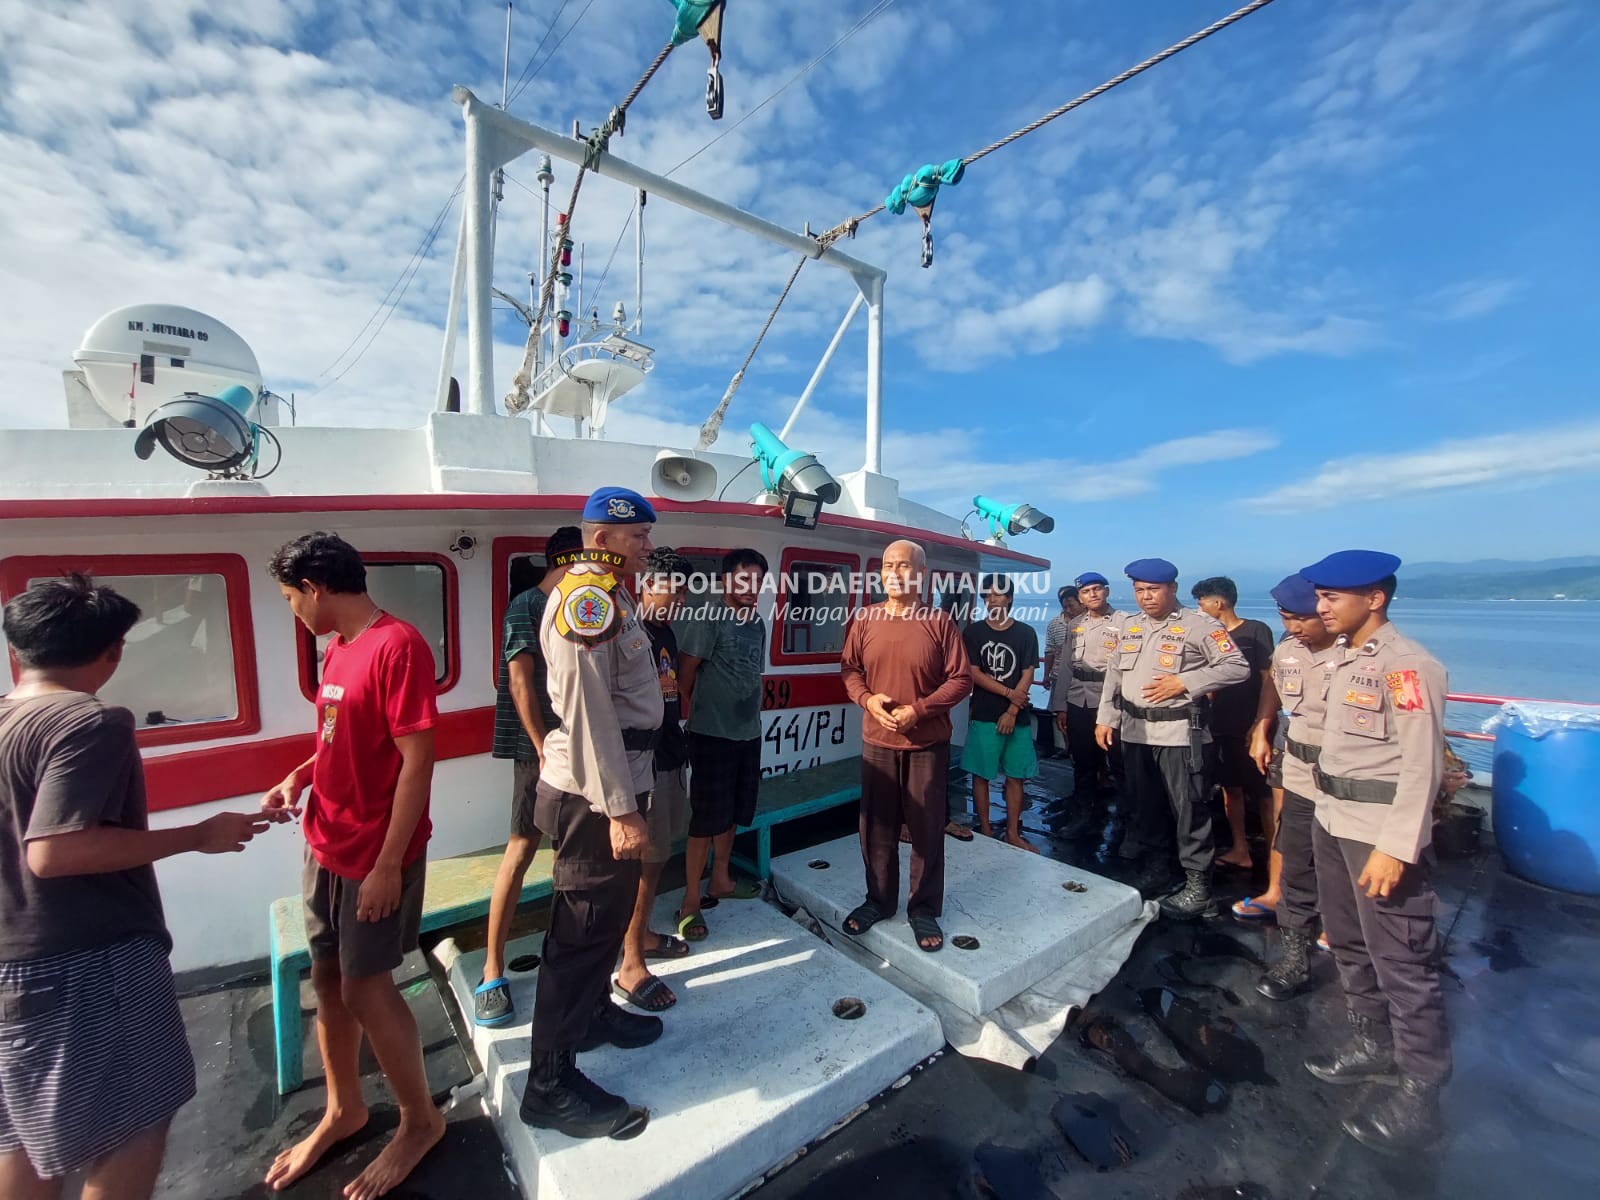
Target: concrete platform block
{"points": [[753, 1066], [1027, 922]]}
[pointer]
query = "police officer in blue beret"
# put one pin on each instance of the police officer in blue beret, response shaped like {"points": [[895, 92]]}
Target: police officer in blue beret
{"points": [[1302, 664], [1377, 775], [1074, 696], [1166, 659], [591, 800]]}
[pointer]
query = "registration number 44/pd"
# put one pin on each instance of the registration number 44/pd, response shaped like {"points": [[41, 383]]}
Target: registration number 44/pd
{"points": [[795, 733]]}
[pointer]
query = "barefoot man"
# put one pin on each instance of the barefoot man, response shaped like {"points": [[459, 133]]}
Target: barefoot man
{"points": [[366, 827], [905, 664]]}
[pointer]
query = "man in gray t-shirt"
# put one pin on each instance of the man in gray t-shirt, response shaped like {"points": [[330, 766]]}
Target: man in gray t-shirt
{"points": [[722, 651], [83, 942]]}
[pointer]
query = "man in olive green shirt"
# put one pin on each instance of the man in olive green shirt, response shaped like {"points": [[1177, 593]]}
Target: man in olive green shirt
{"points": [[722, 651]]}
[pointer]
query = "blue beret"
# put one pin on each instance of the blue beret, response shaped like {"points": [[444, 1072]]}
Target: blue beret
{"points": [[618, 506], [1151, 570], [1089, 578], [1351, 569], [1296, 595]]}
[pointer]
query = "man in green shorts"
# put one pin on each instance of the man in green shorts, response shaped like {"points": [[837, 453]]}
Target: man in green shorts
{"points": [[1004, 655]]}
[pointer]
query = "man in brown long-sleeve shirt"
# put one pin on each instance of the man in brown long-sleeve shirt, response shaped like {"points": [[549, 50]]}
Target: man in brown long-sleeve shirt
{"points": [[904, 663]]}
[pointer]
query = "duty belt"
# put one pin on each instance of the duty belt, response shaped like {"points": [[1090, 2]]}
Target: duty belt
{"points": [[640, 739], [1305, 753], [1088, 674], [1153, 714], [1361, 791]]}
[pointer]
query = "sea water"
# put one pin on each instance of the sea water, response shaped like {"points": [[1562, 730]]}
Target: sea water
{"points": [[1536, 649]]}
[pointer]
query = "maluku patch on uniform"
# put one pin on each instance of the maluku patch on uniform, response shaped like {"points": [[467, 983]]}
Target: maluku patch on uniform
{"points": [[1406, 690], [1223, 641], [585, 609]]}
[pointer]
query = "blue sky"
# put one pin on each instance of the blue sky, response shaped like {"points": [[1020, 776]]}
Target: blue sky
{"points": [[1325, 279]]}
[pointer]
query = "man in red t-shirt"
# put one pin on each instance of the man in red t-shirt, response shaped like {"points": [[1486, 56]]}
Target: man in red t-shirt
{"points": [[366, 827]]}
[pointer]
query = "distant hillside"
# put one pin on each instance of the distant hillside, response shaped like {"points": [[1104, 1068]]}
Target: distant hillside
{"points": [[1569, 582], [1485, 567]]}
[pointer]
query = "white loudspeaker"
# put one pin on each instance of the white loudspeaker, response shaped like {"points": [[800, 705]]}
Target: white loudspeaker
{"points": [[682, 477]]}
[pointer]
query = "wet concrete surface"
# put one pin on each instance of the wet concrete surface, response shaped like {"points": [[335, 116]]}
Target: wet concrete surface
{"points": [[1118, 1106]]}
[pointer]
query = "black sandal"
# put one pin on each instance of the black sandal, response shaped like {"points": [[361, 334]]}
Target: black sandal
{"points": [[669, 947], [927, 927], [652, 995], [861, 919]]}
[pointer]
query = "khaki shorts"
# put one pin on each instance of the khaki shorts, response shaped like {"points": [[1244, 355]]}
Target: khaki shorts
{"points": [[668, 815], [524, 779], [363, 948]]}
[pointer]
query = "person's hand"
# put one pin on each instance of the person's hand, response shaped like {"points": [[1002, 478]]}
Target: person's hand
{"points": [[1018, 698], [878, 706], [1061, 723], [538, 746], [380, 893], [227, 833], [1260, 750], [1166, 687], [1007, 723], [1454, 780], [282, 803], [902, 717], [629, 837], [1104, 735], [1381, 875], [1049, 682]]}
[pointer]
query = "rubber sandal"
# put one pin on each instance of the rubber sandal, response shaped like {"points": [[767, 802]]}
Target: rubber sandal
{"points": [[692, 927], [670, 947], [743, 889], [863, 917], [960, 832], [1251, 909], [491, 1004], [927, 927], [652, 995], [1224, 865]]}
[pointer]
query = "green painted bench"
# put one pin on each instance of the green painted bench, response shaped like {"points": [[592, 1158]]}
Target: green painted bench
{"points": [[458, 891]]}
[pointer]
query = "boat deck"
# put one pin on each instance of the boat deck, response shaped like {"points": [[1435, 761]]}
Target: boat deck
{"points": [[1523, 974]]}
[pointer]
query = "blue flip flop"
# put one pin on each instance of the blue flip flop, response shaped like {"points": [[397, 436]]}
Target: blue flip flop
{"points": [[1249, 909], [491, 1004]]}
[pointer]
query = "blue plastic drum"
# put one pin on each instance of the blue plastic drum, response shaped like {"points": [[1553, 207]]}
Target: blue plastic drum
{"points": [[1547, 794]]}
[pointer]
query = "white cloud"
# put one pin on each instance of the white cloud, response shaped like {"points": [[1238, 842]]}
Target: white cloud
{"points": [[1470, 299], [1518, 458]]}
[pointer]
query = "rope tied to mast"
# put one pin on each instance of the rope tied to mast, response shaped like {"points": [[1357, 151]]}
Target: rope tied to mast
{"points": [[713, 423]]}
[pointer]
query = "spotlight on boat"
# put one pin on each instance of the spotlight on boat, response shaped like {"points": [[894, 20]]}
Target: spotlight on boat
{"points": [[1011, 518], [214, 433], [794, 477], [680, 476]]}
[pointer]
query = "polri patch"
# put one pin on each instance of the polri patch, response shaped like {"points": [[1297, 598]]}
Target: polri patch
{"points": [[1223, 641]]}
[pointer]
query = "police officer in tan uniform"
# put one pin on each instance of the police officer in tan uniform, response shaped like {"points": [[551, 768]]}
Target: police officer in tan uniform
{"points": [[1301, 665], [1381, 764], [592, 796], [1167, 658], [1074, 697]]}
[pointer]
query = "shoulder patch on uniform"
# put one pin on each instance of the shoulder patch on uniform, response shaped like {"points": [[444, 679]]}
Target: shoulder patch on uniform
{"points": [[1221, 638], [1405, 687], [586, 611]]}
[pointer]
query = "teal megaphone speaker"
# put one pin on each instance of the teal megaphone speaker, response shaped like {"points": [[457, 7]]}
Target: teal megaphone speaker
{"points": [[214, 433], [791, 472], [1012, 518]]}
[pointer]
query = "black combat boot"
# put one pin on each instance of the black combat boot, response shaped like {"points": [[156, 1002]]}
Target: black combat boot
{"points": [[1368, 1057], [561, 1097], [1193, 901], [615, 1025], [1291, 974], [1156, 877], [1404, 1122]]}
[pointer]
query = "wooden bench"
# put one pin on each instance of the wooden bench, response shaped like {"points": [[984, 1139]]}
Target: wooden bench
{"points": [[458, 891]]}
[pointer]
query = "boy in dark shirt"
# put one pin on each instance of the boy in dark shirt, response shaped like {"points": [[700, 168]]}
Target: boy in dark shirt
{"points": [[366, 829], [1233, 712], [1004, 654], [666, 576], [96, 1059]]}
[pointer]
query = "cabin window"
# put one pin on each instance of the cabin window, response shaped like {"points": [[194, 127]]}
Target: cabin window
{"points": [[187, 671], [818, 594], [872, 583], [419, 589]]}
